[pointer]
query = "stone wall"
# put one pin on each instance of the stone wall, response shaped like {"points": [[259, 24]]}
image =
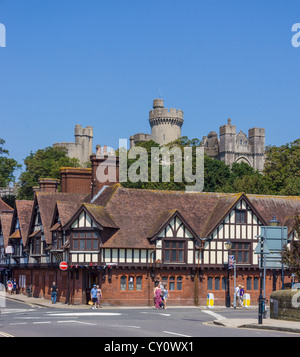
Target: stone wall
{"points": [[285, 305]]}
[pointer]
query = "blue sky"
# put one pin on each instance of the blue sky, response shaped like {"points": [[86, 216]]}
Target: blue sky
{"points": [[102, 62]]}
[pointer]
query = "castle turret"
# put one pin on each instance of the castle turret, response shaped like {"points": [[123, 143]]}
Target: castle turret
{"points": [[165, 124], [257, 144]]}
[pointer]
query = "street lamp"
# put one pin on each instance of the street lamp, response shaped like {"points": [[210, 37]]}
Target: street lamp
{"points": [[228, 246]]}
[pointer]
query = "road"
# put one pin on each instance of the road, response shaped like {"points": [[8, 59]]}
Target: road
{"points": [[22, 320]]}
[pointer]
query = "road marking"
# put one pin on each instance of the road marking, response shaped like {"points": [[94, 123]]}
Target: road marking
{"points": [[215, 315], [42, 322], [175, 333], [18, 323], [5, 334], [87, 314], [76, 322]]}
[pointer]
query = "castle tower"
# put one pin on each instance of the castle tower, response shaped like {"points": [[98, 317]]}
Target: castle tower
{"points": [[82, 148], [165, 124], [227, 143], [257, 144]]}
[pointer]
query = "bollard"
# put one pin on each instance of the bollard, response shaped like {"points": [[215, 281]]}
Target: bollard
{"points": [[246, 300], [210, 300]]}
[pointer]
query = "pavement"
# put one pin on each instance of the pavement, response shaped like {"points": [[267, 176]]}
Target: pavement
{"points": [[268, 324]]}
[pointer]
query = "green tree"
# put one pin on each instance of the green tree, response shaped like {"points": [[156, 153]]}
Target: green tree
{"points": [[281, 169], [291, 256], [7, 166], [42, 164]]}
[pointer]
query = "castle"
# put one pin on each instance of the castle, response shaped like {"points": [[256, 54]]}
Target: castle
{"points": [[229, 147], [166, 125], [82, 148]]}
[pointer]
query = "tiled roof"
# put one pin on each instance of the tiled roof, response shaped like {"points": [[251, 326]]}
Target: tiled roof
{"points": [[47, 201], [5, 221]]}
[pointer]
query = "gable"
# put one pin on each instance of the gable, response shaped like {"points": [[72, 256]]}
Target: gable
{"points": [[83, 220]]}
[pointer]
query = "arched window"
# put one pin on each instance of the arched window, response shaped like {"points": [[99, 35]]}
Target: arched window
{"points": [[139, 280], [179, 283], [123, 282]]}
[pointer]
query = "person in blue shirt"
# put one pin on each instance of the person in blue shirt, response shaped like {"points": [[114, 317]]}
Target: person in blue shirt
{"points": [[94, 297]]}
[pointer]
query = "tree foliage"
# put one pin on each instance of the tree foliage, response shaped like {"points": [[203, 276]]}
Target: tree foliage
{"points": [[281, 174], [291, 255], [7, 166], [44, 163]]}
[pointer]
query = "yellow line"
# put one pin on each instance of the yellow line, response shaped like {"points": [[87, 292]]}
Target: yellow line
{"points": [[4, 334]]}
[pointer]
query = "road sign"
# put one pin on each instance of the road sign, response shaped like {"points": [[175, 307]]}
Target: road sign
{"points": [[275, 238], [63, 265]]}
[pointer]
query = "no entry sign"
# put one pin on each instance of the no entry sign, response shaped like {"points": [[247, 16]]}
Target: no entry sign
{"points": [[63, 265]]}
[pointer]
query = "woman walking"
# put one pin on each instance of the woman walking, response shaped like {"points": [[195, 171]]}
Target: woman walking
{"points": [[157, 296]]}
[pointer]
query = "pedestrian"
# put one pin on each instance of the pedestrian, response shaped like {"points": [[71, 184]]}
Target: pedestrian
{"points": [[157, 296], [94, 296], [15, 286], [9, 287], [237, 294], [165, 296], [242, 292], [54, 292], [99, 295]]}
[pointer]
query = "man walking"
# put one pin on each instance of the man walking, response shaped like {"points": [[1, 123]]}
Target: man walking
{"points": [[94, 297], [53, 292]]}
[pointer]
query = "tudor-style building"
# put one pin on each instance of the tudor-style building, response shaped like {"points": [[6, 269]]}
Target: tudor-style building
{"points": [[126, 239]]}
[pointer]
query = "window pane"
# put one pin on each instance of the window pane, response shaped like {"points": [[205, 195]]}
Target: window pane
{"points": [[123, 282], [224, 283], [217, 283], [89, 234], [172, 285], [249, 283], [167, 244], [180, 245], [82, 245], [75, 244], [95, 244], [139, 283], [82, 235], [255, 284], [179, 283], [131, 283], [174, 245], [167, 255], [180, 256], [88, 244], [173, 256], [209, 283]]}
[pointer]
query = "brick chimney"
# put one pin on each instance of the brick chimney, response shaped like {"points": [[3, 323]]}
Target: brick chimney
{"points": [[48, 185], [111, 168]]}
